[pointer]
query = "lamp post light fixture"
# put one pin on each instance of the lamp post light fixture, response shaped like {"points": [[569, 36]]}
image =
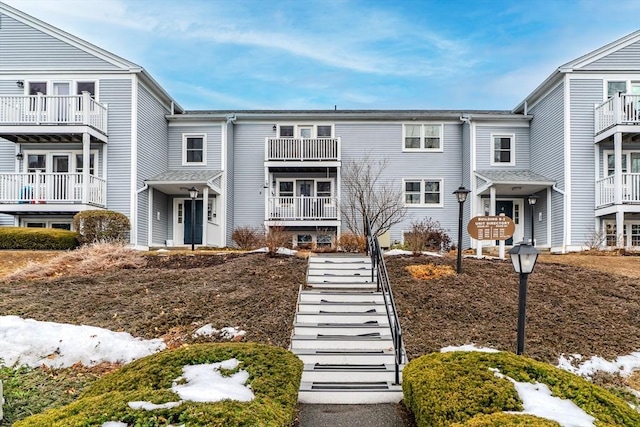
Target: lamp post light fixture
{"points": [[193, 194], [461, 194], [523, 258], [532, 202]]}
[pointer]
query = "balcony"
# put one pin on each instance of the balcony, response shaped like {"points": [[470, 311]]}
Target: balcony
{"points": [[629, 192], [302, 149], [51, 114], [22, 190], [620, 109], [302, 208]]}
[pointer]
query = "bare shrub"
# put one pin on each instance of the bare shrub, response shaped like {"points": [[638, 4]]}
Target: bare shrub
{"points": [[276, 238], [247, 238], [83, 261], [596, 240], [427, 234], [350, 242]]}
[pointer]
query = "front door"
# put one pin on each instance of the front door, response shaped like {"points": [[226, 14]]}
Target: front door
{"points": [[505, 207], [188, 221], [60, 182], [62, 102]]}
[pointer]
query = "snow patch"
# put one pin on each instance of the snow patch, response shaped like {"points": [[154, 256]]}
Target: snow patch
{"points": [[205, 383], [227, 332], [395, 252], [468, 347], [148, 406], [623, 365], [281, 251]]}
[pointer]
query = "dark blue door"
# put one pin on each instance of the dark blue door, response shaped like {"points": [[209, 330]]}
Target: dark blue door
{"points": [[188, 212], [505, 207]]}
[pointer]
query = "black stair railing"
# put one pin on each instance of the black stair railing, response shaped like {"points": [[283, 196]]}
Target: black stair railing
{"points": [[379, 269]]}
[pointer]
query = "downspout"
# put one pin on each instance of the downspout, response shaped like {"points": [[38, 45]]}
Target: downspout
{"points": [[564, 220]]}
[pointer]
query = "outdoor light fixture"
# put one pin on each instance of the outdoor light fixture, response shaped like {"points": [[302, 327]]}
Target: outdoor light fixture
{"points": [[532, 202], [275, 127], [20, 84], [193, 193], [461, 194], [19, 156], [523, 258]]}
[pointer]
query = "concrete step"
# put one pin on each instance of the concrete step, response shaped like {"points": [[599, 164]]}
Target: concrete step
{"points": [[373, 341], [340, 318], [365, 261], [354, 287], [341, 329], [349, 373], [348, 266], [349, 393], [348, 307], [365, 272], [355, 356], [339, 279], [339, 297]]}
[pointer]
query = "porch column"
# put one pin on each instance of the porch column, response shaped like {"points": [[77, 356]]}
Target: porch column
{"points": [[620, 231], [150, 216], [492, 202], [86, 164], [205, 214], [338, 191], [617, 177], [267, 192]]}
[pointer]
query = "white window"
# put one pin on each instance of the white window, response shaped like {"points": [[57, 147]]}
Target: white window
{"points": [[423, 192], [324, 131], [422, 137], [323, 188], [503, 149], [630, 162], [212, 209], [285, 189], [180, 213], [635, 234], [60, 224], [308, 131], [194, 149], [615, 87], [286, 131]]}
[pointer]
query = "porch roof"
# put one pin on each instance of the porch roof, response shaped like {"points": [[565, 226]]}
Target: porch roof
{"points": [[513, 182], [176, 181]]}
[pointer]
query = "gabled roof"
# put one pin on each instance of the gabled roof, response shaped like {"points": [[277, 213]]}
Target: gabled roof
{"points": [[577, 64], [186, 176], [518, 176]]}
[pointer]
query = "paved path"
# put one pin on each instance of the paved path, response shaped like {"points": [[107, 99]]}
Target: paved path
{"points": [[381, 415]]}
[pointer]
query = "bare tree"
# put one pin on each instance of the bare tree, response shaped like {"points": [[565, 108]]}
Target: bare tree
{"points": [[367, 192]]}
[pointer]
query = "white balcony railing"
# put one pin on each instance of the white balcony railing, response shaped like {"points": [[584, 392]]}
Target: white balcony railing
{"points": [[303, 208], [53, 110], [617, 110], [629, 192], [41, 187], [302, 149]]}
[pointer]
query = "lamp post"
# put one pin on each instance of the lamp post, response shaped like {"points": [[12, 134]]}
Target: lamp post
{"points": [[532, 202], [461, 194], [193, 193], [523, 258]]}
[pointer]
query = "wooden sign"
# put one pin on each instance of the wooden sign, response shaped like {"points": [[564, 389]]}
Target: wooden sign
{"points": [[496, 227]]}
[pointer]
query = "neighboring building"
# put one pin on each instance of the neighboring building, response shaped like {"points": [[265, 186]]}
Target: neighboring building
{"points": [[81, 128]]}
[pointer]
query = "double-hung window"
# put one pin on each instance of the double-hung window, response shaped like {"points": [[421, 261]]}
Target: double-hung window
{"points": [[194, 149], [503, 150], [423, 192], [422, 137]]}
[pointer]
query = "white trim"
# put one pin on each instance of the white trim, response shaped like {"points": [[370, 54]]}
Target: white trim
{"points": [[512, 148], [422, 204], [567, 161], [422, 137], [185, 136], [134, 162], [222, 213], [303, 124], [49, 160]]}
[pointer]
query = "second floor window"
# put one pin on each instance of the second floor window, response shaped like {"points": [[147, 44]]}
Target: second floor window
{"points": [[422, 137], [194, 149], [423, 192], [502, 150]]}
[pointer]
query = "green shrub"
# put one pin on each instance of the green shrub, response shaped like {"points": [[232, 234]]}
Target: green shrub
{"points": [[274, 376], [37, 238], [446, 388], [500, 419], [98, 226]]}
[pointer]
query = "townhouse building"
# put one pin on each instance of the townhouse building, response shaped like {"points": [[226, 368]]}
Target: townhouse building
{"points": [[82, 128]]}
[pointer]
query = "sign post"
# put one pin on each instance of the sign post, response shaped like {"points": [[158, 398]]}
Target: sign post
{"points": [[491, 227]]}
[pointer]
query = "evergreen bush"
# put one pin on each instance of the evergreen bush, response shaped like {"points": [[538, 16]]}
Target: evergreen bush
{"points": [[37, 238], [101, 226]]}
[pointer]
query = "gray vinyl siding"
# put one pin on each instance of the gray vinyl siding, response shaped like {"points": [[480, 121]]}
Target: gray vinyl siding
{"points": [[152, 152], [248, 174], [584, 94], [484, 149], [540, 227], [117, 94], [213, 133], [7, 164], [23, 47], [547, 154], [466, 181], [9, 87], [161, 204], [382, 140], [229, 191], [627, 58]]}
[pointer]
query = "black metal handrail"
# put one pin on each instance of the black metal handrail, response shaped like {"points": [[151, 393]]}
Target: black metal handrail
{"points": [[384, 286]]}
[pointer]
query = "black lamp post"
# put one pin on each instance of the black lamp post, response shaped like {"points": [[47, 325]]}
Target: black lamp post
{"points": [[461, 194], [532, 202], [193, 193], [523, 257]]}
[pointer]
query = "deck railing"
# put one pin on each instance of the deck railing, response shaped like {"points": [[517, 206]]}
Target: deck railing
{"points": [[303, 208], [617, 110], [53, 110], [630, 189], [310, 149], [41, 187]]}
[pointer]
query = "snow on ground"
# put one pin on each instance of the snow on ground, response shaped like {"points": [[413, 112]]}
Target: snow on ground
{"points": [[205, 383], [281, 251], [58, 345], [395, 252], [537, 400], [468, 347], [228, 332], [623, 365]]}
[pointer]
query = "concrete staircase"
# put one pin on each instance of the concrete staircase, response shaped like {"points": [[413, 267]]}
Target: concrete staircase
{"points": [[342, 334]]}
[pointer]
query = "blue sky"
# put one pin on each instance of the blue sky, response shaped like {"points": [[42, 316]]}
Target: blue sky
{"points": [[353, 54]]}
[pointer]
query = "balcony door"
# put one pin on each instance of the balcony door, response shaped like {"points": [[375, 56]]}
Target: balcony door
{"points": [[62, 111], [60, 184]]}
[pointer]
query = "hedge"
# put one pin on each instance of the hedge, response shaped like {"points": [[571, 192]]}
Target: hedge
{"points": [[274, 377], [450, 389], [37, 238]]}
